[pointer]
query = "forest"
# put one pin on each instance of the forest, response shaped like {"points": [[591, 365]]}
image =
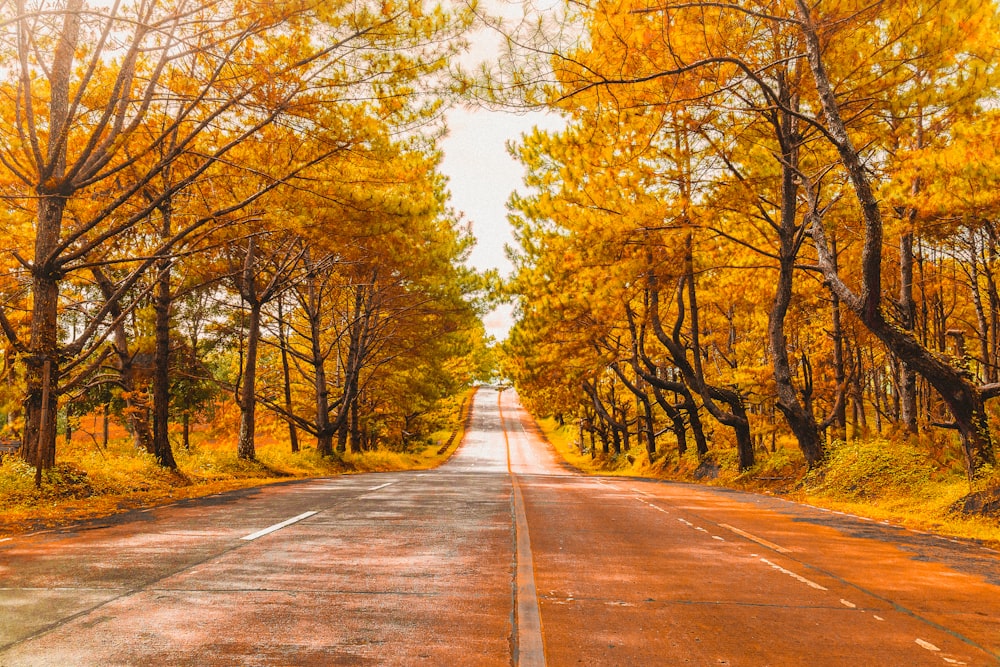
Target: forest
{"points": [[227, 210], [769, 228]]}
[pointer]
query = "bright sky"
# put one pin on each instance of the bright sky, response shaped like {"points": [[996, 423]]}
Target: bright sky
{"points": [[482, 174]]}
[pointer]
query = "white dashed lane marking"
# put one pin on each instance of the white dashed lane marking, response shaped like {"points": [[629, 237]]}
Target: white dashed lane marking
{"points": [[381, 486], [794, 575], [753, 538], [277, 526]]}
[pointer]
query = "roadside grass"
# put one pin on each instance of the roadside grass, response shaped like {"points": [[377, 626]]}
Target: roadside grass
{"points": [[915, 485], [91, 480]]}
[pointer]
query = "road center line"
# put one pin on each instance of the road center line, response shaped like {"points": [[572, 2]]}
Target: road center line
{"points": [[794, 575], [278, 526], [753, 538], [529, 646]]}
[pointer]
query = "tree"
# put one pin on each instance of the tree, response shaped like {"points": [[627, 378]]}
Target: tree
{"points": [[118, 114]]}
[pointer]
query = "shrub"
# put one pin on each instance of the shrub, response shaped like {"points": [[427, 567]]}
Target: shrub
{"points": [[872, 469]]}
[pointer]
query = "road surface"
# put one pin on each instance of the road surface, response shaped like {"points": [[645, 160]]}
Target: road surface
{"points": [[502, 556]]}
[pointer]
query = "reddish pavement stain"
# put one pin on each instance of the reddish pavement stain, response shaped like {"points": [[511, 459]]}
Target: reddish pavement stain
{"points": [[421, 568]]}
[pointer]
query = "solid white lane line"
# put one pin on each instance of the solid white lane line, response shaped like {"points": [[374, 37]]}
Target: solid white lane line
{"points": [[381, 486], [927, 645], [793, 575], [278, 526], [753, 538]]}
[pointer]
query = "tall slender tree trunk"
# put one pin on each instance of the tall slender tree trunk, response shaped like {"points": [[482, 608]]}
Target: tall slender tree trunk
{"points": [[908, 312], [800, 419], [42, 364], [650, 428], [982, 325], [162, 302], [38, 443], [246, 445], [324, 429], [839, 364], [293, 435], [356, 439]]}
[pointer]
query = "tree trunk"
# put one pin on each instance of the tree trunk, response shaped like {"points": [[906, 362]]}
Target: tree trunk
{"points": [[644, 423], [801, 420], [42, 369], [355, 440], [839, 365], [736, 418], [246, 446], [293, 436], [324, 430], [161, 357], [965, 400], [676, 421], [908, 310]]}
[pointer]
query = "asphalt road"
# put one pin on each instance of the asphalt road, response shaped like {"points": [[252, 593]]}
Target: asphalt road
{"points": [[501, 556]]}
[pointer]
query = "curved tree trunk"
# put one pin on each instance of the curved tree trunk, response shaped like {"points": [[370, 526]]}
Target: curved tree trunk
{"points": [[799, 416], [965, 400], [676, 420], [736, 418]]}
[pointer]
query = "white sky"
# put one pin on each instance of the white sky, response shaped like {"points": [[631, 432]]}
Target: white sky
{"points": [[482, 174]]}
